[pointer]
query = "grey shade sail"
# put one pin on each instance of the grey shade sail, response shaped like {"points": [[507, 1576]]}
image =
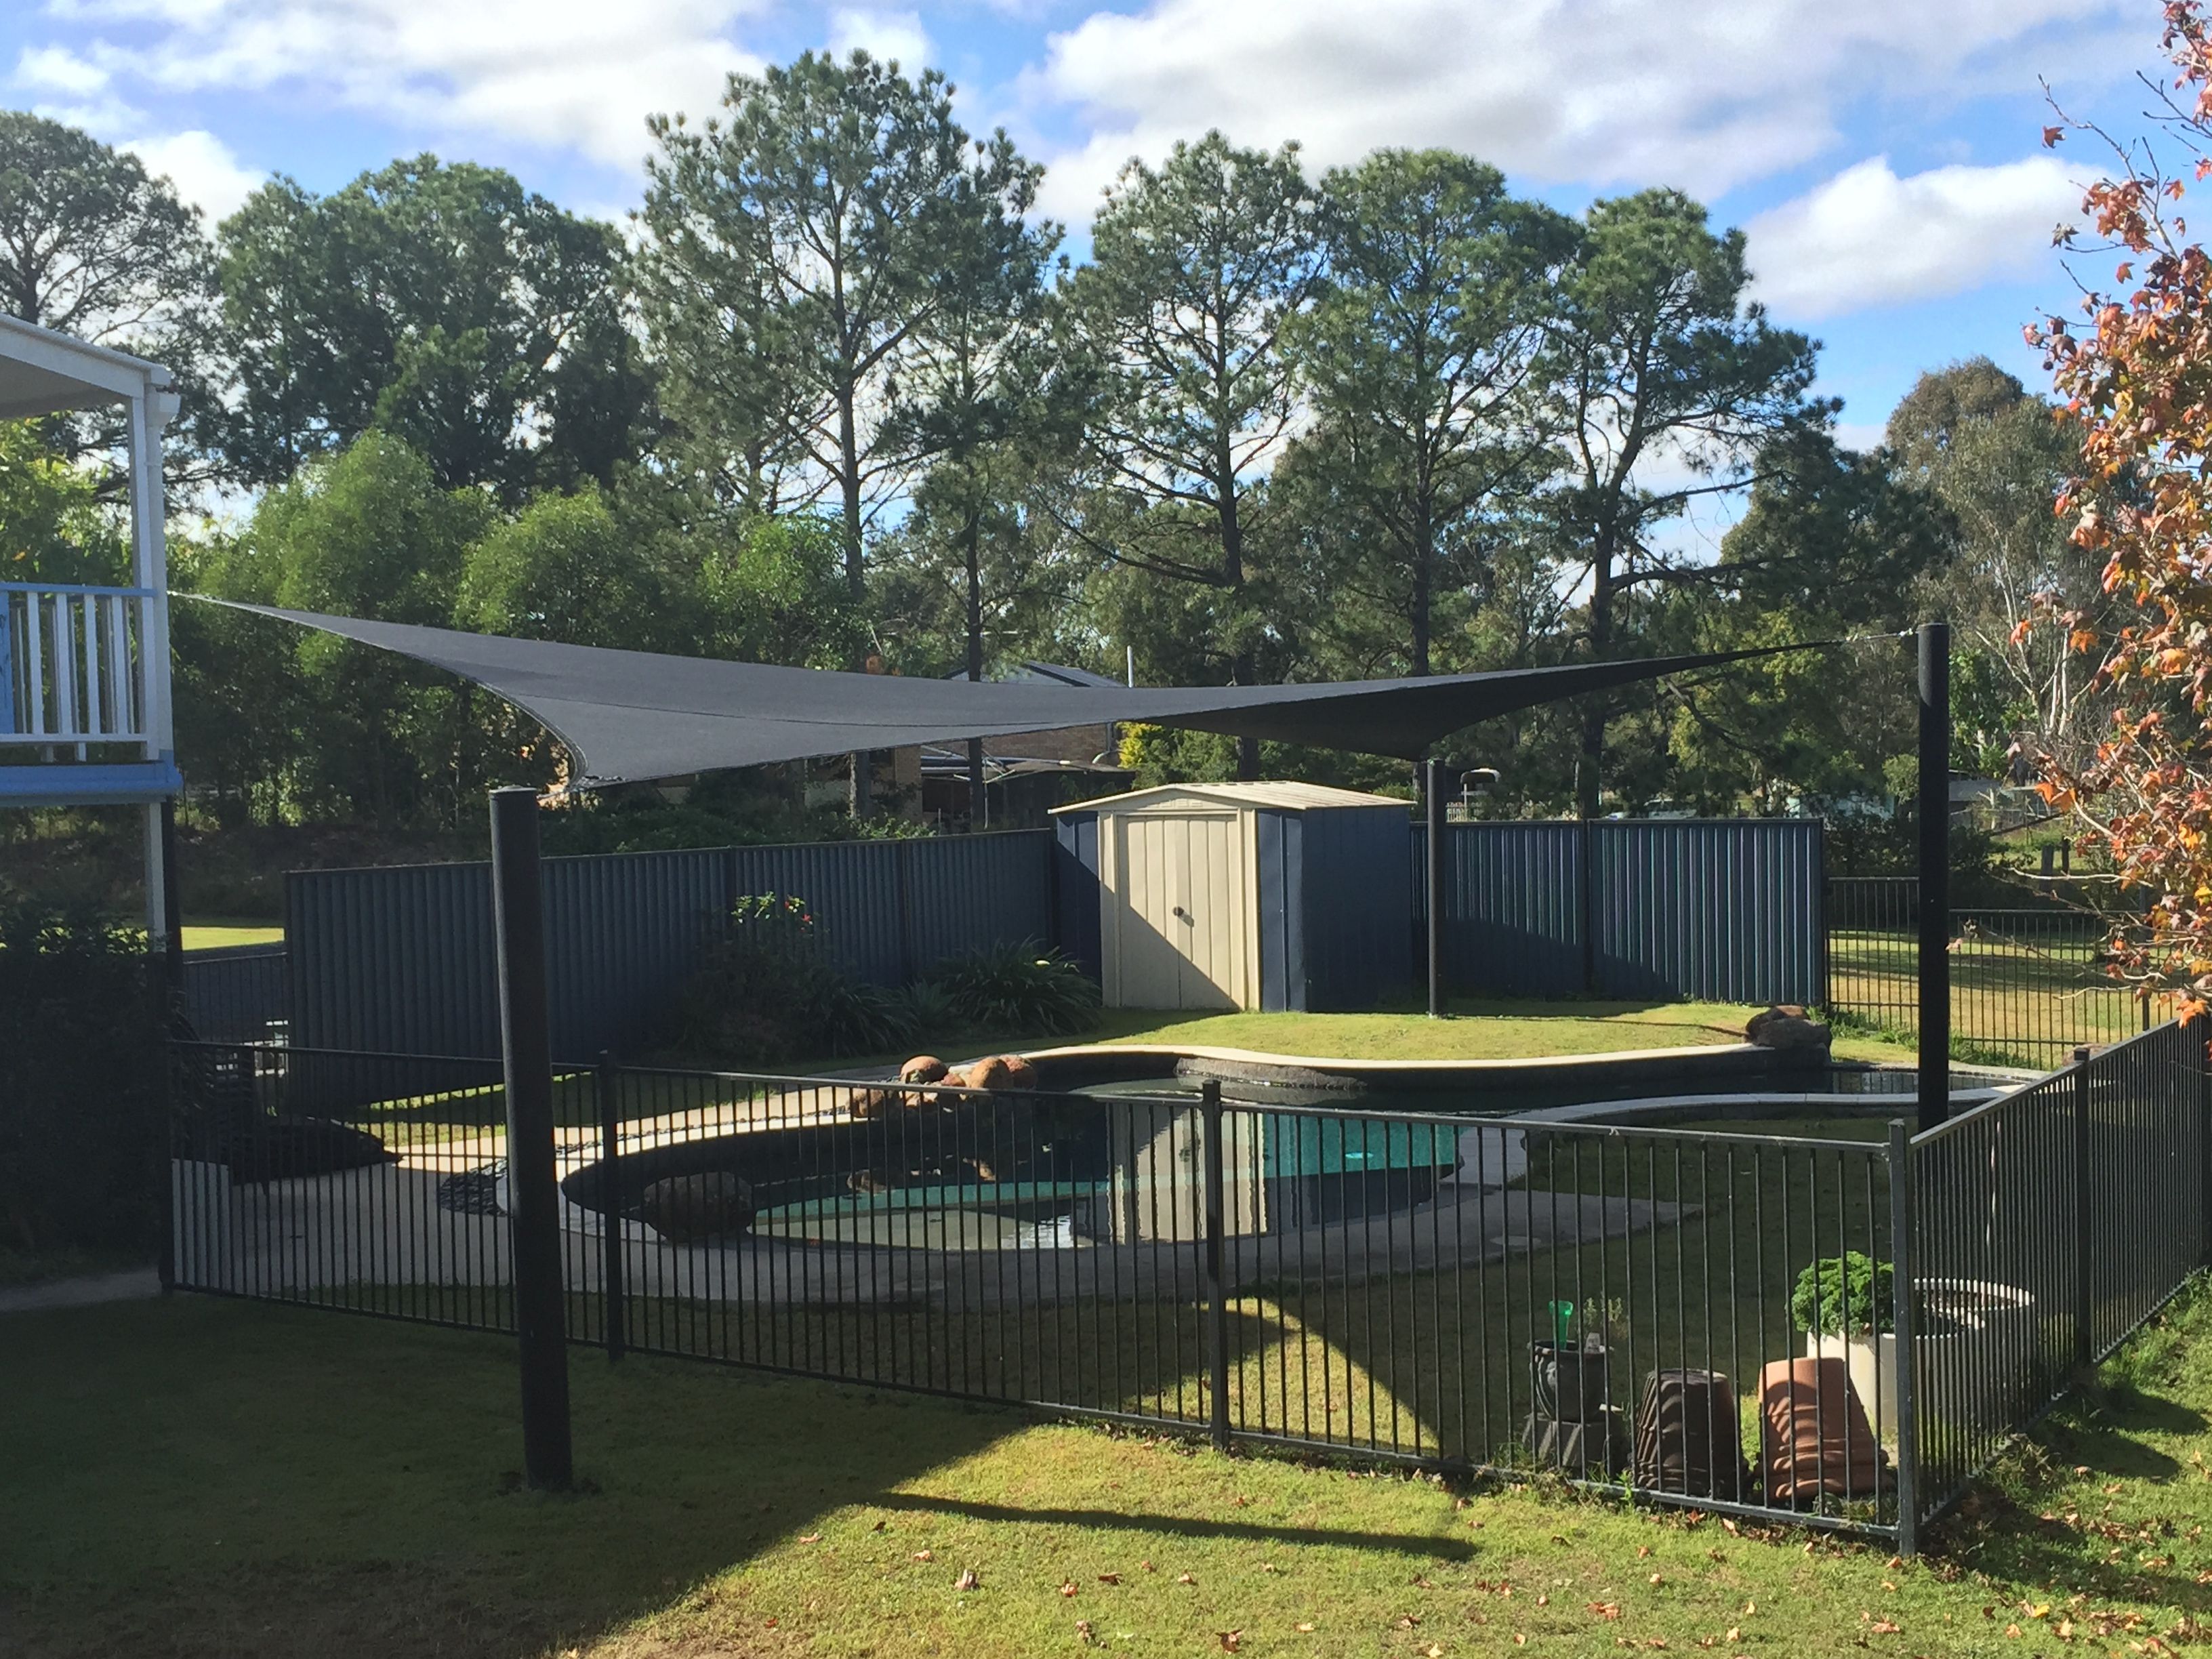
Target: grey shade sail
{"points": [[628, 716]]}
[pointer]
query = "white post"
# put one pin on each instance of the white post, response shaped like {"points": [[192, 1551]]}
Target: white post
{"points": [[150, 561]]}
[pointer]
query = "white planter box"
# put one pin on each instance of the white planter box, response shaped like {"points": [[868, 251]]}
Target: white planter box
{"points": [[1978, 1336]]}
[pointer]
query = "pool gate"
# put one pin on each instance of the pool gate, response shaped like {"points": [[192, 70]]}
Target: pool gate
{"points": [[1837, 1330]]}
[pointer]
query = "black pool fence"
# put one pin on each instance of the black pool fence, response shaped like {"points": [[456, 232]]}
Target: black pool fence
{"points": [[1837, 1329], [2028, 985]]}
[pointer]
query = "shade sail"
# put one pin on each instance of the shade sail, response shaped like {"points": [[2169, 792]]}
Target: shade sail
{"points": [[626, 716]]}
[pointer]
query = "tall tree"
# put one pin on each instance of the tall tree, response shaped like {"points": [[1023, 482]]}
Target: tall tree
{"points": [[1997, 458], [971, 376], [1178, 326], [93, 244], [1671, 384], [444, 304], [1420, 357], [817, 214]]}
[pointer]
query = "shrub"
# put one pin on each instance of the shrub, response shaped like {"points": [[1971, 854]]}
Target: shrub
{"points": [[766, 994], [81, 1084], [1020, 988], [1850, 1294]]}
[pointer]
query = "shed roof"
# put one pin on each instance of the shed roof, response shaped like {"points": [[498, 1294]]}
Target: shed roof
{"points": [[1284, 796], [42, 372]]}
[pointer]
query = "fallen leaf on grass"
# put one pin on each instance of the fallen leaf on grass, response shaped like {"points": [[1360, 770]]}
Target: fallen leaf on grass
{"points": [[1069, 1589], [1305, 1630], [967, 1581], [1110, 1577], [1886, 1628], [879, 1527], [1229, 1639], [1185, 1578], [811, 1538], [923, 1555], [1605, 1609]]}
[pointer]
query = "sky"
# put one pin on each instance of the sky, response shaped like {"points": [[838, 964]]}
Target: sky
{"points": [[1884, 157]]}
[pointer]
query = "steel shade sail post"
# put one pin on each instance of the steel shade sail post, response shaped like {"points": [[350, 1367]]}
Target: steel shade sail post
{"points": [[533, 1193], [1217, 1293], [1934, 826], [1433, 796]]}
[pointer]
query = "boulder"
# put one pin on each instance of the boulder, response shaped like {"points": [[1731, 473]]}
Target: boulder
{"points": [[1787, 1027], [869, 1103], [996, 1072], [1020, 1074], [923, 1068], [691, 1208]]}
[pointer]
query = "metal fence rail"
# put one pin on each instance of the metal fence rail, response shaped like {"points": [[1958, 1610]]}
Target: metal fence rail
{"points": [[1608, 1304], [1838, 1331], [2048, 1224], [2028, 986]]}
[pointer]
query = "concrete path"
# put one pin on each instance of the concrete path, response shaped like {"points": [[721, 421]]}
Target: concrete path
{"points": [[83, 1291]]}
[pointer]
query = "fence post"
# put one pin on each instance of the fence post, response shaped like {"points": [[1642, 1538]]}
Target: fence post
{"points": [[1434, 848], [2203, 1071], [2084, 1340], [1901, 1227], [532, 1175], [1216, 1299], [614, 1290]]}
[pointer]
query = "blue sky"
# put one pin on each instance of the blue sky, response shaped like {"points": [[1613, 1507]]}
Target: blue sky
{"points": [[1884, 155]]}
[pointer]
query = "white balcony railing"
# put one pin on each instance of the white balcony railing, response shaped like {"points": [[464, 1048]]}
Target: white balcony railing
{"points": [[73, 665]]}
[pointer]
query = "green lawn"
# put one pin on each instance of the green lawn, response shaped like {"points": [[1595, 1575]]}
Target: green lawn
{"points": [[219, 933], [201, 1476], [1484, 1028], [2025, 999]]}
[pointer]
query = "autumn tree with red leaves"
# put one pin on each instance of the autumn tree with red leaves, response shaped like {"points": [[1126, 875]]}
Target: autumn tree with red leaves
{"points": [[2137, 378]]}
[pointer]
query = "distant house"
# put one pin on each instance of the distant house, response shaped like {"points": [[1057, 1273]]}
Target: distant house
{"points": [[1027, 775]]}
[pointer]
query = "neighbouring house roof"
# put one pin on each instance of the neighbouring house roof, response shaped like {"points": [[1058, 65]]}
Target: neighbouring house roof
{"points": [[1286, 797], [626, 716], [43, 373]]}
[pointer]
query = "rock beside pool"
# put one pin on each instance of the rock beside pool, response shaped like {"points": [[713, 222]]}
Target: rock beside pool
{"points": [[1789, 1029], [998, 1072], [693, 1208], [280, 1148], [923, 1068]]}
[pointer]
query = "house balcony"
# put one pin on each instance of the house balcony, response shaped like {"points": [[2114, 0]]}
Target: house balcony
{"points": [[84, 688]]}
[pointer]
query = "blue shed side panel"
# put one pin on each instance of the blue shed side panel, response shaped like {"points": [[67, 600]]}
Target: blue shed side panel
{"points": [[1358, 908], [1076, 894], [1281, 918]]}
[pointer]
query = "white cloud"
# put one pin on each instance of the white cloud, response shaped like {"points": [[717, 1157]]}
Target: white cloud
{"points": [[58, 70], [1703, 93], [1868, 238], [203, 169], [892, 36], [569, 74]]}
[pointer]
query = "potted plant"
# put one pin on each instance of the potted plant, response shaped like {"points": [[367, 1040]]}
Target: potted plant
{"points": [[1570, 1369], [1846, 1306]]}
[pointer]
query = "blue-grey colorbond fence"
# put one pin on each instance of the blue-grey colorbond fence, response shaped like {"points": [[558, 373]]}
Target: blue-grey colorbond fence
{"points": [[1727, 910], [401, 960], [236, 994]]}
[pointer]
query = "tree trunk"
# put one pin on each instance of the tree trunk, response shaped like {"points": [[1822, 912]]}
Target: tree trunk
{"points": [[1244, 670], [858, 798], [1596, 713], [1423, 584], [971, 538]]}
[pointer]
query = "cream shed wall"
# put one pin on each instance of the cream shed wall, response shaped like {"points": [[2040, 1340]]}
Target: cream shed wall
{"points": [[1266, 896]]}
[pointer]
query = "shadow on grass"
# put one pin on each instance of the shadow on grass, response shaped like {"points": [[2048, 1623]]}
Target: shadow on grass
{"points": [[200, 1477], [1426, 1547]]}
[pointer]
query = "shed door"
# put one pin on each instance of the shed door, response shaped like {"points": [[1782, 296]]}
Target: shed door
{"points": [[1181, 911]]}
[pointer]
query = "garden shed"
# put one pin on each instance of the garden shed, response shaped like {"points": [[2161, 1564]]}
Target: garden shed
{"points": [[1268, 896]]}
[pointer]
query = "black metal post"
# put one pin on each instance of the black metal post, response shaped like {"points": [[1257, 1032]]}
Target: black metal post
{"points": [[173, 900], [614, 1289], [1217, 1294], [533, 1191], [2085, 1339], [1433, 796], [1934, 826], [1904, 1250]]}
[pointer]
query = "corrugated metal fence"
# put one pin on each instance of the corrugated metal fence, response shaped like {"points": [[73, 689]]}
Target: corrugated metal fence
{"points": [[1724, 910], [401, 960], [236, 994]]}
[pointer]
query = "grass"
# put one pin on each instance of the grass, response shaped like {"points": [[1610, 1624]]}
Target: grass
{"points": [[199, 1477], [217, 933], [2014, 1001], [1484, 1028]]}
